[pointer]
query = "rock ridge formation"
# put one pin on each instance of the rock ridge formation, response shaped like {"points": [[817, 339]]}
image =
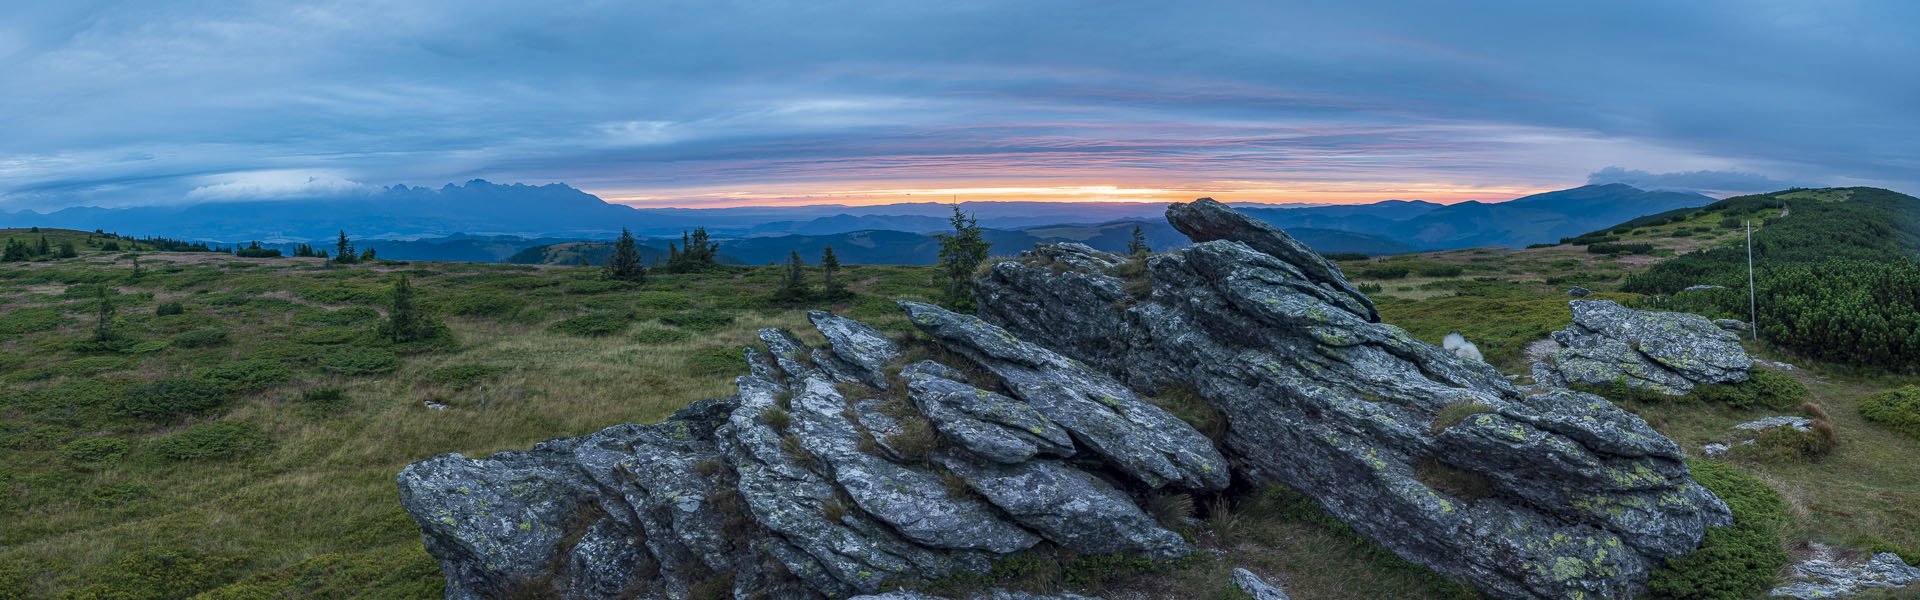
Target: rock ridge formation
{"points": [[810, 482], [1559, 494]]}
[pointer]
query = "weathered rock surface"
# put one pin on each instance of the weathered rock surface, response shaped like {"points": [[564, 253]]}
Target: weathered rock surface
{"points": [[1205, 220], [1663, 352], [1579, 292], [1801, 424], [1734, 325], [1255, 587], [1819, 578], [793, 489], [1581, 498]]}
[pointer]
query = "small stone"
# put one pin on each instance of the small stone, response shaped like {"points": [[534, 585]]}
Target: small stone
{"points": [[1256, 587], [1579, 292], [1801, 424]]}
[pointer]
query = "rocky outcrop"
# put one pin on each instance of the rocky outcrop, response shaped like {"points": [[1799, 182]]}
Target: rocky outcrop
{"points": [[1575, 498], [1827, 578], [812, 483], [1663, 352], [841, 470]]}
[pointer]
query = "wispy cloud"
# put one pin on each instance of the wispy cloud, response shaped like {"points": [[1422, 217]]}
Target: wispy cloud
{"points": [[1716, 182], [651, 99]]}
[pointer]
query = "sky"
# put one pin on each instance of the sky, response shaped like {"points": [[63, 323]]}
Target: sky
{"points": [[762, 102]]}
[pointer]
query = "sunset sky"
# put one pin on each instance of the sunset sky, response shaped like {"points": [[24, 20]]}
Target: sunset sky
{"points": [[715, 103]]}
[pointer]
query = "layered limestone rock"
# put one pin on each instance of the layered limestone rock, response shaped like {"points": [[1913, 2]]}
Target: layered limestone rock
{"points": [[1568, 496], [1663, 352], [810, 482]]}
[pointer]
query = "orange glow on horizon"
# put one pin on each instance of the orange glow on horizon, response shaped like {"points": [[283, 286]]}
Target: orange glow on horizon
{"points": [[1268, 192]]}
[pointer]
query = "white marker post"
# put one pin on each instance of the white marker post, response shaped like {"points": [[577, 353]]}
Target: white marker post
{"points": [[1753, 310]]}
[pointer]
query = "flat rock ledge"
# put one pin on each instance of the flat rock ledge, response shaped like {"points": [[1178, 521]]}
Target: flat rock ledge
{"points": [[817, 481], [1565, 494], [1663, 352]]}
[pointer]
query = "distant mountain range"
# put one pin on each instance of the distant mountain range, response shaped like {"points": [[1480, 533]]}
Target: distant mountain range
{"points": [[482, 221]]}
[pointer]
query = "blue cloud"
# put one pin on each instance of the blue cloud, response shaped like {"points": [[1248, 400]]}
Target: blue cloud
{"points": [[683, 93]]}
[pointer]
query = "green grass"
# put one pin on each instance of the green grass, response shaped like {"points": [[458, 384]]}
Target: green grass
{"points": [[266, 469]]}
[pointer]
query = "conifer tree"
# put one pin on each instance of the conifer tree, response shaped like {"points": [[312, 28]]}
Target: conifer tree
{"points": [[15, 251], [44, 249], [960, 253], [696, 252], [103, 330], [67, 250], [366, 255], [404, 323], [343, 250], [624, 263], [828, 265], [794, 285], [1138, 245]]}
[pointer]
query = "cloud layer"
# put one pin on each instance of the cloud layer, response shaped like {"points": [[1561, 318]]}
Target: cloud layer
{"points": [[683, 101]]}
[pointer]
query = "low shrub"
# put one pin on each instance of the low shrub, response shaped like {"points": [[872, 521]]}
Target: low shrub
{"points": [[329, 335], [172, 397], [1734, 562], [462, 375], [1620, 248], [247, 374], [115, 494], [698, 320], [594, 324], [160, 573], [95, 450], [597, 286], [357, 360], [716, 360], [352, 315], [147, 347], [1898, 409], [29, 320], [324, 399], [1436, 270], [663, 300], [658, 336], [1763, 388], [219, 440], [14, 584], [1385, 271], [201, 338], [169, 308]]}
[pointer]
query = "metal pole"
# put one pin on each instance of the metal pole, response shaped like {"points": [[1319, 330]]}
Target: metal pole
{"points": [[1753, 310]]}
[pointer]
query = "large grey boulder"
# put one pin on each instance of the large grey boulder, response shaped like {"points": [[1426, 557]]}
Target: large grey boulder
{"points": [[792, 489], [1576, 496], [1663, 352]]}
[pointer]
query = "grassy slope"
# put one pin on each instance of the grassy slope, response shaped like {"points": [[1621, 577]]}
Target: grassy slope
{"points": [[317, 515]]}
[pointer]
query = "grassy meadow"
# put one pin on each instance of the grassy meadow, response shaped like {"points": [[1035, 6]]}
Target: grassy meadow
{"points": [[270, 474]]}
